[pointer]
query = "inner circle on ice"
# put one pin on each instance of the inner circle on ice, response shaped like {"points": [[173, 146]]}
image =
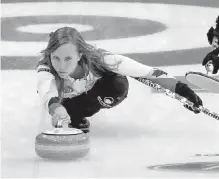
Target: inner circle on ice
{"points": [[47, 28]]}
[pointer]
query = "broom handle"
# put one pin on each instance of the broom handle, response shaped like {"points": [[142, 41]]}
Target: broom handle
{"points": [[171, 94]]}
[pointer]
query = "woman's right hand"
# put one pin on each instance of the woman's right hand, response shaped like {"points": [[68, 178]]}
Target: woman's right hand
{"points": [[60, 114]]}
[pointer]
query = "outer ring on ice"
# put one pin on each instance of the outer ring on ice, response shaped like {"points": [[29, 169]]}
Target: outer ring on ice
{"points": [[180, 28]]}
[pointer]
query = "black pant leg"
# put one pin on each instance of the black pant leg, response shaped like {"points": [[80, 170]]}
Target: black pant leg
{"points": [[107, 92]]}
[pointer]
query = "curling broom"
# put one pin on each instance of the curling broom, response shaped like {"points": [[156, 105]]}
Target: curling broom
{"points": [[171, 94]]}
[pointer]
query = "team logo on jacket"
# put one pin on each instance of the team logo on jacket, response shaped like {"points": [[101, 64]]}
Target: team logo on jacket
{"points": [[68, 89], [69, 92], [106, 101]]}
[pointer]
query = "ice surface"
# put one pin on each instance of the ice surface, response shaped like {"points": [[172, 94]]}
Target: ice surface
{"points": [[146, 129]]}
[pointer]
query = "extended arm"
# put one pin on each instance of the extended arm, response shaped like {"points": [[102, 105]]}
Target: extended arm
{"points": [[128, 67], [47, 89]]}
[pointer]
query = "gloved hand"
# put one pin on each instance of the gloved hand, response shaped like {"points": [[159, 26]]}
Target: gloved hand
{"points": [[211, 59], [183, 90], [60, 114]]}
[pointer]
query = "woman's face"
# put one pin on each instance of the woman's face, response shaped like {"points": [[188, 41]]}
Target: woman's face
{"points": [[65, 59], [215, 42]]}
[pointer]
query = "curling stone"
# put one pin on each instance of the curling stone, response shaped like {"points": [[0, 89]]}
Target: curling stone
{"points": [[62, 143]]}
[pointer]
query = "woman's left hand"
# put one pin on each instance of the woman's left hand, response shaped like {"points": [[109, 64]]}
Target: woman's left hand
{"points": [[196, 100], [183, 90]]}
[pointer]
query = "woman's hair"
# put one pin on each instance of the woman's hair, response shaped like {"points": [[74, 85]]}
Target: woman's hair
{"points": [[91, 59]]}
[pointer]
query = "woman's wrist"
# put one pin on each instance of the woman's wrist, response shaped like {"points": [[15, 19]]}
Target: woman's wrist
{"points": [[53, 104]]}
